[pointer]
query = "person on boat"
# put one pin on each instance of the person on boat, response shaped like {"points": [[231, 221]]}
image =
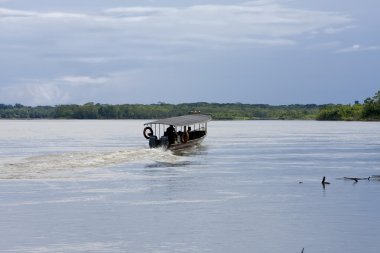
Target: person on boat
{"points": [[170, 131], [189, 132]]}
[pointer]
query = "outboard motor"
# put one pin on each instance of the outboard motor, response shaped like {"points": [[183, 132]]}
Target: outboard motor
{"points": [[153, 142], [164, 141]]}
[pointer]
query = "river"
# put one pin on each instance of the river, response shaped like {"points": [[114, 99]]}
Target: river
{"points": [[252, 186]]}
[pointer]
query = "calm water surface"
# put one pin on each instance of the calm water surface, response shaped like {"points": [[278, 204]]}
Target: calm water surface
{"points": [[253, 186]]}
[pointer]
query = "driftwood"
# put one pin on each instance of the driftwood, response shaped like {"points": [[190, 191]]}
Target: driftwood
{"points": [[356, 179]]}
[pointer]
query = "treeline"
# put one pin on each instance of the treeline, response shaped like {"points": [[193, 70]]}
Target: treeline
{"points": [[229, 111], [369, 110]]}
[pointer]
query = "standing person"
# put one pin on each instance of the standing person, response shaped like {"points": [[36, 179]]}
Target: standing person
{"points": [[171, 134]]}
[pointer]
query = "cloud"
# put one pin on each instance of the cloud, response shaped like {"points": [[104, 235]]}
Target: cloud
{"points": [[141, 35], [83, 80], [33, 93], [65, 57], [333, 30], [358, 48], [245, 23], [55, 91], [324, 46], [241, 21]]}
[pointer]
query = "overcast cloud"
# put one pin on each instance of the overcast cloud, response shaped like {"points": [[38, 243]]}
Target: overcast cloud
{"points": [[275, 52]]}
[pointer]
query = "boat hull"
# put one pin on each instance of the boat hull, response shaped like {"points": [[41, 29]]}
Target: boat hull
{"points": [[189, 144]]}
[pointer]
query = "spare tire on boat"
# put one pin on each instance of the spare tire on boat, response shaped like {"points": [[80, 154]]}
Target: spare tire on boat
{"points": [[148, 131]]}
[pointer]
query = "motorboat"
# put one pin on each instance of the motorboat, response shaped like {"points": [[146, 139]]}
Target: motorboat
{"points": [[177, 132]]}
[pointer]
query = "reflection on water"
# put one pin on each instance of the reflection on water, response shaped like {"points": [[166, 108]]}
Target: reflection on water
{"points": [[95, 186], [169, 164], [191, 151]]}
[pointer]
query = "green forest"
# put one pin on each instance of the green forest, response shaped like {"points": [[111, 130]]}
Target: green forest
{"points": [[368, 110]]}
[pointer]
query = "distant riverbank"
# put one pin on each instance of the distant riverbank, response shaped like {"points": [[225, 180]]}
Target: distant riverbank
{"points": [[368, 110]]}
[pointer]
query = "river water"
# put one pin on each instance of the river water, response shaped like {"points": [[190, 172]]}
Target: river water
{"points": [[252, 186]]}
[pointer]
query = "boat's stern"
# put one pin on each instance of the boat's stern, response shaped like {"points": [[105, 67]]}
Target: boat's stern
{"points": [[154, 142]]}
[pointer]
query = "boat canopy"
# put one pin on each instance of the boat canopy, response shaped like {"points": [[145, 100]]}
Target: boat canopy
{"points": [[182, 120]]}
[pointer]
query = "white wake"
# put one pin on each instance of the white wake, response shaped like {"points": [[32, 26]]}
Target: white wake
{"points": [[65, 164]]}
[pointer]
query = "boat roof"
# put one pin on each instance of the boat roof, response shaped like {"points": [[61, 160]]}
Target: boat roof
{"points": [[182, 120]]}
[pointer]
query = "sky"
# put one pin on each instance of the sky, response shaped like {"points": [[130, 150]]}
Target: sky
{"points": [[148, 51]]}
